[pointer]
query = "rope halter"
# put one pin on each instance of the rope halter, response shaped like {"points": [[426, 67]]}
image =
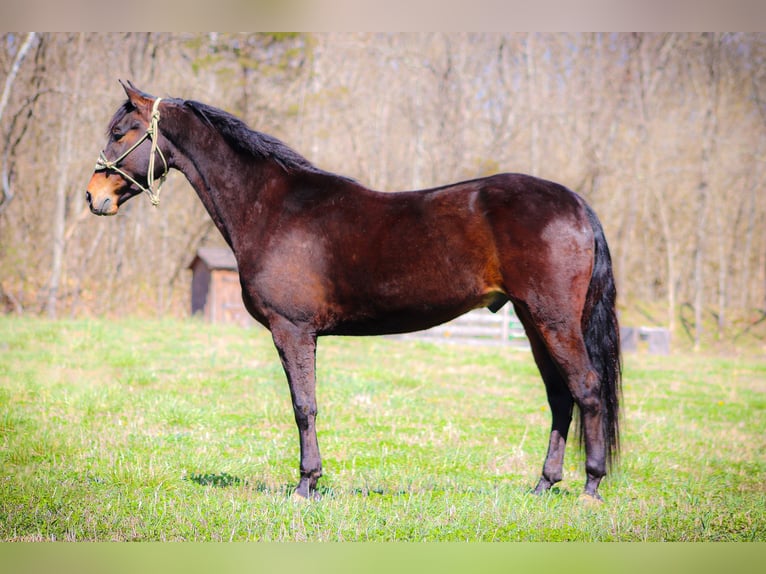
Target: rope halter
{"points": [[152, 133]]}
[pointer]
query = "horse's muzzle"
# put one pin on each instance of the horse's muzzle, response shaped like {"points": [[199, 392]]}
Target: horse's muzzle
{"points": [[104, 207], [103, 193]]}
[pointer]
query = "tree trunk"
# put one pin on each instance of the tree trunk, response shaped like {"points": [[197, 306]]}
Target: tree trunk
{"points": [[59, 209], [650, 72], [534, 120], [7, 196], [709, 134]]}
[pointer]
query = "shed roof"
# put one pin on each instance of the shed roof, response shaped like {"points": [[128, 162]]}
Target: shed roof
{"points": [[215, 258]]}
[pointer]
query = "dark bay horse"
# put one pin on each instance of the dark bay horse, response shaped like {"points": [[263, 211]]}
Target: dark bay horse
{"points": [[319, 254]]}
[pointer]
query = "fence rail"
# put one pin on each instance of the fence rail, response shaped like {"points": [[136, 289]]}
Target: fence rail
{"points": [[478, 327]]}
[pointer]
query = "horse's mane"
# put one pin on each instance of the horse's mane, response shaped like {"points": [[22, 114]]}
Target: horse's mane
{"points": [[249, 141], [238, 135]]}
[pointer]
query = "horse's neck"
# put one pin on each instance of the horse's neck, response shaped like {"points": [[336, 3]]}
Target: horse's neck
{"points": [[208, 197], [228, 188]]}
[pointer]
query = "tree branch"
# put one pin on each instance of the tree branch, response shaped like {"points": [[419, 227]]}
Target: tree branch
{"points": [[7, 194]]}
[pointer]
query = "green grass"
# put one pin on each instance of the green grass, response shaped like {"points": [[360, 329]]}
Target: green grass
{"points": [[175, 430]]}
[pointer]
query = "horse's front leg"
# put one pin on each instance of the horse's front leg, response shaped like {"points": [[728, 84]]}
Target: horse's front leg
{"points": [[297, 350]]}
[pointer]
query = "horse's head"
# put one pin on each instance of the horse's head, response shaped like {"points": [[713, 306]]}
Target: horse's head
{"points": [[132, 159]]}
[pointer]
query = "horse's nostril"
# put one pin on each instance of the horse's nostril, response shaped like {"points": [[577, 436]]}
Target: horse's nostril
{"points": [[88, 198]]}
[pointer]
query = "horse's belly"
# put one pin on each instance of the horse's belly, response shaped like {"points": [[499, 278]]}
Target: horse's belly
{"points": [[415, 314]]}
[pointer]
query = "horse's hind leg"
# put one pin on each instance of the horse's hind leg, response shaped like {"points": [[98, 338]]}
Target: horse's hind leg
{"points": [[561, 403], [561, 348]]}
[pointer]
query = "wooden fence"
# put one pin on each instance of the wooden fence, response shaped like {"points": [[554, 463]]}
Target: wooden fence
{"points": [[480, 326], [504, 328]]}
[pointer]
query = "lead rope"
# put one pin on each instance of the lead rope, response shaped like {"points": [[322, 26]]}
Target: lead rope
{"points": [[151, 133]]}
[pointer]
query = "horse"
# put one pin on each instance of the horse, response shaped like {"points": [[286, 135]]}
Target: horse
{"points": [[320, 254]]}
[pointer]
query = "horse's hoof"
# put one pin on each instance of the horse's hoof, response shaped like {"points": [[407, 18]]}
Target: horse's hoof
{"points": [[591, 499], [305, 495], [542, 487], [298, 497]]}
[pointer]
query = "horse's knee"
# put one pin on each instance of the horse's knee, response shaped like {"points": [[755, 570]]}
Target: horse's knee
{"points": [[305, 413]]}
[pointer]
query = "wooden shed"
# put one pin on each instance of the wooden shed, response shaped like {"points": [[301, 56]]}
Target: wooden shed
{"points": [[216, 294]]}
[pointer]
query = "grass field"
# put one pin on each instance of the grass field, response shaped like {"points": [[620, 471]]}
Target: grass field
{"points": [[175, 430]]}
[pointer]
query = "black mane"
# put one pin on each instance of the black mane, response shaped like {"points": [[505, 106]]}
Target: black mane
{"points": [[240, 137], [244, 139]]}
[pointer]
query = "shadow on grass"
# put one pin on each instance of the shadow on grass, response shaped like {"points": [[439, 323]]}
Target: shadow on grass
{"points": [[489, 490], [226, 480], [219, 480]]}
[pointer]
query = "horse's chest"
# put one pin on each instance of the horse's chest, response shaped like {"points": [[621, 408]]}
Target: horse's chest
{"points": [[290, 280]]}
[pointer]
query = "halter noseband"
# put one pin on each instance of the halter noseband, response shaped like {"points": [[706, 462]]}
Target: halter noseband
{"points": [[103, 164]]}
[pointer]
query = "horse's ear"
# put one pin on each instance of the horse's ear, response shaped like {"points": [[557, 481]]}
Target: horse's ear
{"points": [[141, 100]]}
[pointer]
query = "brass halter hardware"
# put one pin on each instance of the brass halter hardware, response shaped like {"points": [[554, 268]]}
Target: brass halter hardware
{"points": [[152, 132]]}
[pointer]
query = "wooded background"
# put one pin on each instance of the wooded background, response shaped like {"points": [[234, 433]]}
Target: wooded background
{"points": [[664, 134]]}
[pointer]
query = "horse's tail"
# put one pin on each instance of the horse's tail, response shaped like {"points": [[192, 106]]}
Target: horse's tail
{"points": [[601, 332]]}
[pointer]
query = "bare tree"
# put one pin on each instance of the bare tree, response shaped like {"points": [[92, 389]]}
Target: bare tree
{"points": [[70, 114], [707, 84], [10, 79]]}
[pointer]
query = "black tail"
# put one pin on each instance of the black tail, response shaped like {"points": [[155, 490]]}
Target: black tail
{"points": [[602, 337]]}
